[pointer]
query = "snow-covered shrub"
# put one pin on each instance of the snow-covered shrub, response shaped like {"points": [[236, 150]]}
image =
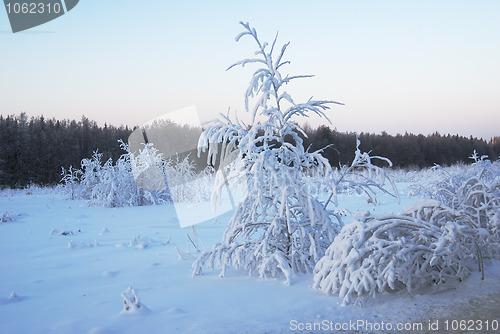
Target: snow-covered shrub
{"points": [[472, 190], [429, 244], [441, 183], [279, 228], [185, 184], [90, 174], [71, 181], [111, 184], [361, 177], [442, 238], [116, 186], [147, 167], [478, 201], [152, 171]]}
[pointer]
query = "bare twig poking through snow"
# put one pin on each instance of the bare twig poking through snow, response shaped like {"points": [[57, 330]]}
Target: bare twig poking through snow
{"points": [[182, 255], [193, 242], [104, 230], [6, 217], [131, 302]]}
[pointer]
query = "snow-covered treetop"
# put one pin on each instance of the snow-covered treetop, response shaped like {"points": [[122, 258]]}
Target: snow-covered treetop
{"points": [[267, 83], [266, 90]]}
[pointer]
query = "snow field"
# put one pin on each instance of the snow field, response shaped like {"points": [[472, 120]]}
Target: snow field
{"points": [[63, 282]]}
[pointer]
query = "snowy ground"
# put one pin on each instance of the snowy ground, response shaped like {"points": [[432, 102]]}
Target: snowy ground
{"points": [[65, 265]]}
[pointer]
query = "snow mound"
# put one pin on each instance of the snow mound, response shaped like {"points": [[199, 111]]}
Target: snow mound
{"points": [[13, 298]]}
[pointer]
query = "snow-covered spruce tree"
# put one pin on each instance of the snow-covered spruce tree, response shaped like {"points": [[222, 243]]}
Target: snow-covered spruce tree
{"points": [[279, 228]]}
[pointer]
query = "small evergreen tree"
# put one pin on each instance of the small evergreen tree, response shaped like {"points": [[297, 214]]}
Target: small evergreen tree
{"points": [[279, 228]]}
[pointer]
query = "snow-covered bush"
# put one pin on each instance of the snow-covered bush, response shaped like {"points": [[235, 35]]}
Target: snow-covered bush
{"points": [[71, 181], [478, 201], [437, 240], [441, 183], [185, 184], [111, 184], [361, 177], [148, 167], [151, 171], [90, 174], [279, 228], [473, 190], [116, 186], [428, 245]]}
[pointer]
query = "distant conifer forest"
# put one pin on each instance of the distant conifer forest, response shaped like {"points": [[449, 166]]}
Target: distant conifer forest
{"points": [[34, 150]]}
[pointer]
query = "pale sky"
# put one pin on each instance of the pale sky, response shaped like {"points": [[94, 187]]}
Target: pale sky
{"points": [[416, 66]]}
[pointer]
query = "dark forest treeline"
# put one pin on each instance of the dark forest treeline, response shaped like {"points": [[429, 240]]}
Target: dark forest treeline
{"points": [[408, 150], [32, 151]]}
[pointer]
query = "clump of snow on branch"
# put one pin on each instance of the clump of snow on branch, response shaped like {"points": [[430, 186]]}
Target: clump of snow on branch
{"points": [[280, 228], [194, 246]]}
